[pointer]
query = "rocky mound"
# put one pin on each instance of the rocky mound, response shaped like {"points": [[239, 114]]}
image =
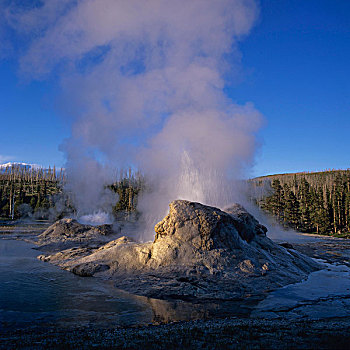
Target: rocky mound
{"points": [[199, 253], [69, 232], [245, 223]]}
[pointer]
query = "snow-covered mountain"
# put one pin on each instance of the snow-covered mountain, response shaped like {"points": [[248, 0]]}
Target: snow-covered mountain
{"points": [[20, 165]]}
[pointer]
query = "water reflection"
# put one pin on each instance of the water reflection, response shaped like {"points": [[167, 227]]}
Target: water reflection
{"points": [[166, 311], [35, 292]]}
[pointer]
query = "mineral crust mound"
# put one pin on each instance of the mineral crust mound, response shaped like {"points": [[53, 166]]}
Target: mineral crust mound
{"points": [[65, 233], [199, 253]]}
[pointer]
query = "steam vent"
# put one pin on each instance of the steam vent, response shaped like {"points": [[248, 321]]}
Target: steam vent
{"points": [[199, 253]]}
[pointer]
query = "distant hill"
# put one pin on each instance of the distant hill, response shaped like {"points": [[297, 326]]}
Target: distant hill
{"points": [[308, 201], [307, 174], [19, 165]]}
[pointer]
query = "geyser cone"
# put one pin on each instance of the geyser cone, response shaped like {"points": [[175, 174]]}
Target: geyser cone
{"points": [[199, 252], [66, 233]]}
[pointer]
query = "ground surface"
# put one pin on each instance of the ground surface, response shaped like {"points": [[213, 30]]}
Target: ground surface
{"points": [[332, 250], [203, 334], [314, 314]]}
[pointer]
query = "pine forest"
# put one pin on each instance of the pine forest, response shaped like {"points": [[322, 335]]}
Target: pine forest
{"points": [[39, 193], [307, 202]]}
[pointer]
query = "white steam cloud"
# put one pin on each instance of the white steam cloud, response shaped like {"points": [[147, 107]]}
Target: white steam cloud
{"points": [[144, 83]]}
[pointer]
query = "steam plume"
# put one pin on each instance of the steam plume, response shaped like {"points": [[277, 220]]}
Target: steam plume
{"points": [[144, 83]]}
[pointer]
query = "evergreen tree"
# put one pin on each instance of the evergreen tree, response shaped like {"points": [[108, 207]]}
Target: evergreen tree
{"points": [[274, 204], [292, 211], [322, 199], [319, 214], [304, 197]]}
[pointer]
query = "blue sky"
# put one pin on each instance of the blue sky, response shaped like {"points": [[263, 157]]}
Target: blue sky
{"points": [[31, 131], [297, 72], [295, 69]]}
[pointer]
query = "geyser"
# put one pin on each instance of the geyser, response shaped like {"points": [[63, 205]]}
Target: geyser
{"points": [[144, 85], [198, 253]]}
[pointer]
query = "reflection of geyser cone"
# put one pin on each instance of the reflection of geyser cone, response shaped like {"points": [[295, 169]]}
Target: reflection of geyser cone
{"points": [[199, 252]]}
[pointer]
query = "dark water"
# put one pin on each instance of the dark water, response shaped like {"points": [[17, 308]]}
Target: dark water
{"points": [[32, 291]]}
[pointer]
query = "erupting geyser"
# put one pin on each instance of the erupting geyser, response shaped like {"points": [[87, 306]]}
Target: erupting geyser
{"points": [[144, 83], [199, 252]]}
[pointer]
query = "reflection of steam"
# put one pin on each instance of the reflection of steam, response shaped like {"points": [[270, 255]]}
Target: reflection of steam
{"points": [[95, 219]]}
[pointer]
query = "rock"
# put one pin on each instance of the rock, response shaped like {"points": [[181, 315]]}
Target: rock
{"points": [[66, 233], [89, 269], [199, 253], [245, 223], [286, 245]]}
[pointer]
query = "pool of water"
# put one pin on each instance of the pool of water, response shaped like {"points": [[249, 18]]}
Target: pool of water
{"points": [[32, 291], [324, 294]]}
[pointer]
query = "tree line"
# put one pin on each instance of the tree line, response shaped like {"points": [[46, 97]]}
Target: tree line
{"points": [[128, 186], [37, 192], [307, 202], [26, 189]]}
